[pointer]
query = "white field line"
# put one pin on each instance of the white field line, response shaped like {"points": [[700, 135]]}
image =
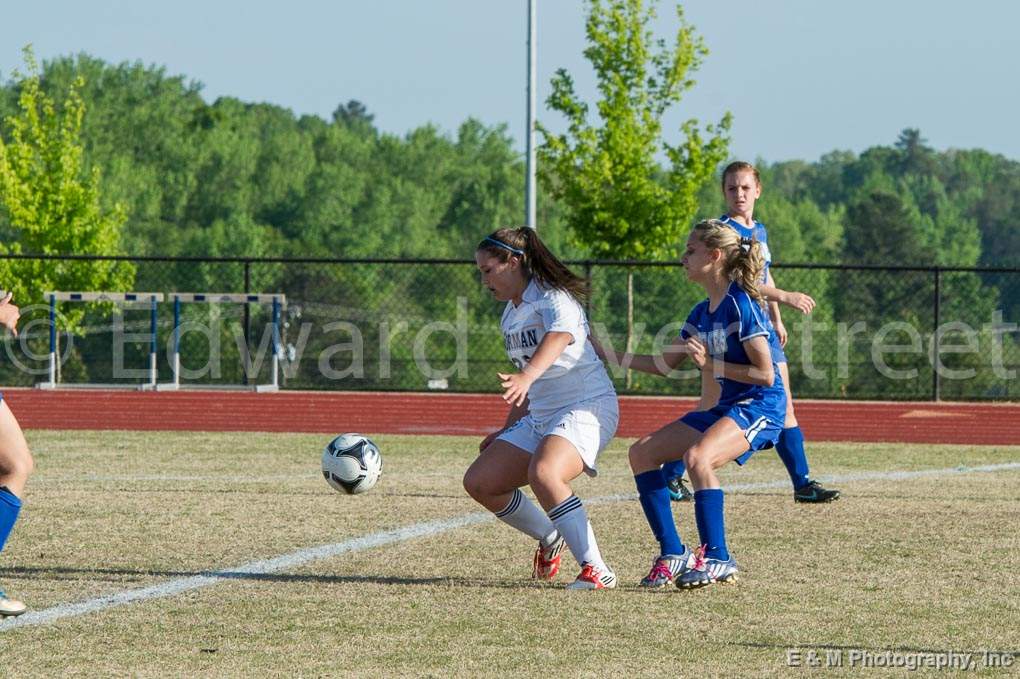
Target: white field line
{"points": [[305, 556], [116, 478]]}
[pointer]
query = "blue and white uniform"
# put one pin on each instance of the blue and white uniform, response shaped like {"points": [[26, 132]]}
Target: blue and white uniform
{"points": [[759, 411], [757, 232], [574, 398]]}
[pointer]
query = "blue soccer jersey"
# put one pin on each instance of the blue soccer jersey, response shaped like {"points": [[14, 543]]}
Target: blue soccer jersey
{"points": [[756, 231], [724, 330]]}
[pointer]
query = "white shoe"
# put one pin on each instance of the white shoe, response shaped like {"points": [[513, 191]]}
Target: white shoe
{"points": [[592, 578], [11, 607], [667, 568], [547, 560]]}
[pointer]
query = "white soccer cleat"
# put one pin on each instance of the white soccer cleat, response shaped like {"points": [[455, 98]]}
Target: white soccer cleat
{"points": [[547, 560], [708, 571], [10, 607], [668, 568], [592, 578]]}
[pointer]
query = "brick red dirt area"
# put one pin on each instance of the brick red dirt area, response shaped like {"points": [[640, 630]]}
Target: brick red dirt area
{"points": [[475, 414]]}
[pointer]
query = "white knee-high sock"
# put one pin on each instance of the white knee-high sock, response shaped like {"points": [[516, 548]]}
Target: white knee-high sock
{"points": [[571, 520], [525, 516]]}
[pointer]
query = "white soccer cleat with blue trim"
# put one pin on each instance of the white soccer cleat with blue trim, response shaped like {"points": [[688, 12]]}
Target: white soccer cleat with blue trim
{"points": [[708, 571], [668, 568]]}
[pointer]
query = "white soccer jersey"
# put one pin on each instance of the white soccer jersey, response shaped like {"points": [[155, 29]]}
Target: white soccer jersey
{"points": [[578, 374]]}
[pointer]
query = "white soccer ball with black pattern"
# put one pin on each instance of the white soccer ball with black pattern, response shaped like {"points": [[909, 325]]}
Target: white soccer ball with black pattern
{"points": [[351, 464]]}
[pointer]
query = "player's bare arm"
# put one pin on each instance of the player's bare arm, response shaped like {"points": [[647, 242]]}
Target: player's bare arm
{"points": [[9, 314], [759, 371], [800, 301], [663, 364]]}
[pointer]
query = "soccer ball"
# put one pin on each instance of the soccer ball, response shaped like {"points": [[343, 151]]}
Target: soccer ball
{"points": [[351, 463]]}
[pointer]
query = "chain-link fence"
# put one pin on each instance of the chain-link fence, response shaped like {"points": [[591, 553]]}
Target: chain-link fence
{"points": [[877, 333]]}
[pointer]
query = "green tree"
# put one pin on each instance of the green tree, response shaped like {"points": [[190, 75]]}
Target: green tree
{"points": [[621, 202], [51, 202], [145, 129]]}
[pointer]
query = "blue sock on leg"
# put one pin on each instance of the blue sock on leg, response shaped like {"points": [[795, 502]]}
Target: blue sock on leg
{"points": [[10, 505], [673, 469], [654, 497], [791, 451], [708, 512]]}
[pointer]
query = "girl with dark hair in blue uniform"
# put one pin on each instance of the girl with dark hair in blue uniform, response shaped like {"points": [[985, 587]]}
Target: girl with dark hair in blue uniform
{"points": [[726, 335], [15, 463]]}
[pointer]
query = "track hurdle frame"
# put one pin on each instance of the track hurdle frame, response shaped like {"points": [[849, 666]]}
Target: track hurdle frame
{"points": [[55, 296], [278, 301]]}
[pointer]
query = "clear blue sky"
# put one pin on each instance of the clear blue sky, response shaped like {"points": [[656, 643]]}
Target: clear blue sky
{"points": [[802, 77]]}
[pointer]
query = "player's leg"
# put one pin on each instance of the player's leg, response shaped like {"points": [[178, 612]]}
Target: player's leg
{"points": [[556, 463], [723, 442], [494, 480], [649, 457], [674, 471], [496, 473], [790, 447], [15, 466], [574, 440]]}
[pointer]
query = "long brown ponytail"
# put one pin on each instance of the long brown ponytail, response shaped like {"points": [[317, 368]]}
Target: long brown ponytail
{"points": [[743, 259], [536, 259]]}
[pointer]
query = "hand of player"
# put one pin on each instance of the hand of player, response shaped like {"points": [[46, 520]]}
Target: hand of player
{"points": [[781, 333], [697, 352], [488, 440], [9, 314], [516, 387], [799, 301]]}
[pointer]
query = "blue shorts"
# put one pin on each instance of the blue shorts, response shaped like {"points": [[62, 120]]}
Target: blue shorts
{"points": [[760, 419]]}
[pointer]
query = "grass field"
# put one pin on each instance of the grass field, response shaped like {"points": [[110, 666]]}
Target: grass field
{"points": [[926, 562]]}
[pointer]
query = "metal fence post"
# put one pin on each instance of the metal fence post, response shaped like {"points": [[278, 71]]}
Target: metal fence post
{"points": [[587, 279], [247, 322], [935, 386]]}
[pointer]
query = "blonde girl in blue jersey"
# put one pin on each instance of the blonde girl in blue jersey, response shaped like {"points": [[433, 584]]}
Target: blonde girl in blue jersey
{"points": [[15, 463], [741, 186], [563, 407], [727, 335]]}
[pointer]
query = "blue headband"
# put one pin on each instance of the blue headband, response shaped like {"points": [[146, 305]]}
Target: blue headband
{"points": [[501, 244]]}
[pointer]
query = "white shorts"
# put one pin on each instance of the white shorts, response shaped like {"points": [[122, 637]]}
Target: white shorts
{"points": [[589, 425]]}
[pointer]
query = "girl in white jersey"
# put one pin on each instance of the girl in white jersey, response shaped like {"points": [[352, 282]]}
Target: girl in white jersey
{"points": [[563, 407]]}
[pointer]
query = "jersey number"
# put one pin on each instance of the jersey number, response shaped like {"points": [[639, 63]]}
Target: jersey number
{"points": [[519, 362]]}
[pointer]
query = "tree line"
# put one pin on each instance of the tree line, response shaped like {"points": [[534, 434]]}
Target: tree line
{"points": [[254, 179]]}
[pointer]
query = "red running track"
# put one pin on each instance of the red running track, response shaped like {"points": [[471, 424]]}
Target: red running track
{"points": [[475, 414]]}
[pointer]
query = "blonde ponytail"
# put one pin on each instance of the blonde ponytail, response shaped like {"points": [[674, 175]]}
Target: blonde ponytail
{"points": [[743, 259]]}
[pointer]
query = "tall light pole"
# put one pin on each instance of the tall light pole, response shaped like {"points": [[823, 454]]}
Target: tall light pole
{"points": [[529, 182]]}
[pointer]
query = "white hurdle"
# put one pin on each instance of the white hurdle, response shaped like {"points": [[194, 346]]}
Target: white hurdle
{"points": [[279, 302], [100, 296]]}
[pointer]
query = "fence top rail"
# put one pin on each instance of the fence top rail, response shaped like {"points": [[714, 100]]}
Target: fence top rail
{"points": [[230, 297], [100, 296], [407, 262]]}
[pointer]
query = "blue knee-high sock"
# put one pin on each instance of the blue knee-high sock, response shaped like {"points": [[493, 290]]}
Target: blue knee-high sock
{"points": [[673, 469], [10, 505], [708, 513], [654, 499], [791, 451]]}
